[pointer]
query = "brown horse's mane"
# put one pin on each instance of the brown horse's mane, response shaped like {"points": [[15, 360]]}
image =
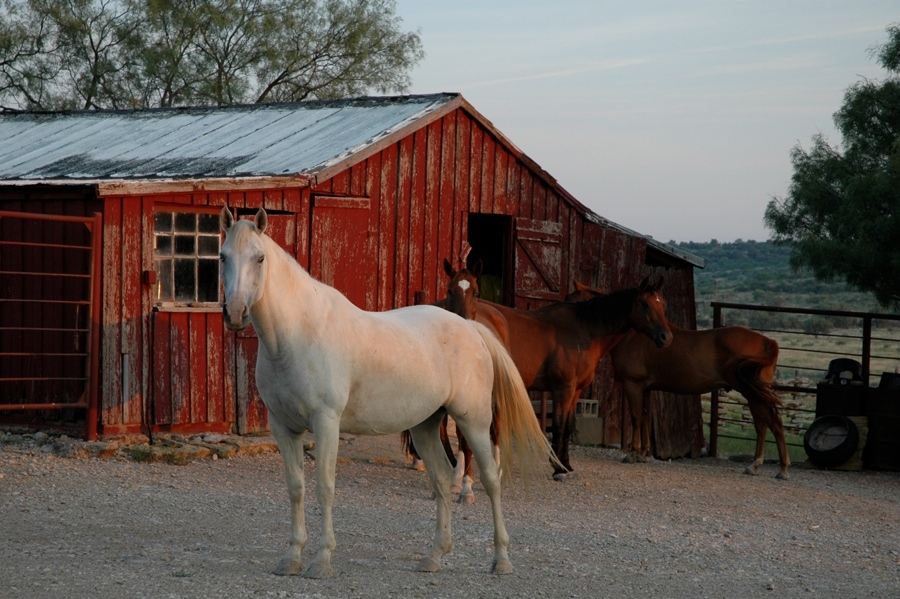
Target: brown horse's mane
{"points": [[606, 309]]}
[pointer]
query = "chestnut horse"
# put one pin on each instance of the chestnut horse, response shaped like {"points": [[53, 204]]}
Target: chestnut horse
{"points": [[557, 347], [326, 366], [699, 362]]}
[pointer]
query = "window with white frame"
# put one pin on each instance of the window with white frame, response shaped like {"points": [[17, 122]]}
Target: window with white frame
{"points": [[186, 258]]}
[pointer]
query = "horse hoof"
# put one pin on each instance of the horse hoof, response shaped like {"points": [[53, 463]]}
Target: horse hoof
{"points": [[750, 470], [318, 571], [628, 460], [467, 499], [418, 465], [782, 476], [563, 476], [502, 567], [288, 567], [428, 565]]}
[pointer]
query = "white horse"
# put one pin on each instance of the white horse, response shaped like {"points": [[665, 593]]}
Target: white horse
{"points": [[326, 366]]}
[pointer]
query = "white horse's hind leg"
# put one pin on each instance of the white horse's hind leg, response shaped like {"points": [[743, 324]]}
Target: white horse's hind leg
{"points": [[291, 446], [490, 478], [327, 433], [427, 438]]}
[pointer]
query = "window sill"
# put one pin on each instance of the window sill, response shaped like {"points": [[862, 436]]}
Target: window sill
{"points": [[187, 308]]}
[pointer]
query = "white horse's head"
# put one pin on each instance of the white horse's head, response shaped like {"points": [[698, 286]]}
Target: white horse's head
{"points": [[243, 259]]}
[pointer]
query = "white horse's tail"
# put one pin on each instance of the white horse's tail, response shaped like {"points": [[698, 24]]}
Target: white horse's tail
{"points": [[519, 434]]}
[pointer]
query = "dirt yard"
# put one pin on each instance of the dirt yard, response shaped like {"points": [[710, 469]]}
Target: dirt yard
{"points": [[112, 527]]}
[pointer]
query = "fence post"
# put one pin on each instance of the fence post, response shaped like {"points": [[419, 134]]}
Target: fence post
{"points": [[866, 358], [714, 398]]}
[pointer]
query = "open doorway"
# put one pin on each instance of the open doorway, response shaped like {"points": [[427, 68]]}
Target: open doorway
{"points": [[490, 236]]}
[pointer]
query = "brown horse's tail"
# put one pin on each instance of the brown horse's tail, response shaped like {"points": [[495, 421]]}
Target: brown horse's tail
{"points": [[746, 372], [406, 443], [517, 430]]}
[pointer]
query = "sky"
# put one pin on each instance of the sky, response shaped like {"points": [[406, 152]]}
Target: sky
{"points": [[674, 119]]}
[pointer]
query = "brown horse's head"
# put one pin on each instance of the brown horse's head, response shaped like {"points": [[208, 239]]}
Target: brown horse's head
{"points": [[462, 291], [648, 313]]}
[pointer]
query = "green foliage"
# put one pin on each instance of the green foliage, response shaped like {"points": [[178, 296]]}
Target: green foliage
{"points": [[760, 273], [64, 54], [842, 213]]}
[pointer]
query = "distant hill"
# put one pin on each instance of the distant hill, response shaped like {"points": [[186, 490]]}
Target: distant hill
{"points": [[759, 273]]}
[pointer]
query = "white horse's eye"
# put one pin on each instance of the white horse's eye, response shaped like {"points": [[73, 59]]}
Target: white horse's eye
{"points": [[260, 260]]}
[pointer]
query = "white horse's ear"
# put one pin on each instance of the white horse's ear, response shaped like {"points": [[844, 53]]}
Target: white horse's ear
{"points": [[226, 219], [261, 220]]}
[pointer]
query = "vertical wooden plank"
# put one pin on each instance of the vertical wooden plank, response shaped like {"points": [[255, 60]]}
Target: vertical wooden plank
{"points": [[500, 180], [253, 199], [403, 287], [197, 391], [273, 199], [370, 173], [180, 358], [446, 220], [526, 194], [487, 174], [229, 364], [129, 280], [301, 227], [432, 203], [513, 181], [292, 199], [462, 177], [162, 368], [387, 227], [475, 168], [215, 375], [218, 198], [111, 356], [417, 215]]}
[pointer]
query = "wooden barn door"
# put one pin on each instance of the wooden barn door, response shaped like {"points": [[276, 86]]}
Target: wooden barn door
{"points": [[342, 252], [539, 262], [251, 411]]}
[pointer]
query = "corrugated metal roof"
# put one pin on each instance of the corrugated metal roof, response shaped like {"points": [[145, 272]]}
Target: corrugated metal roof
{"points": [[235, 141], [258, 140]]}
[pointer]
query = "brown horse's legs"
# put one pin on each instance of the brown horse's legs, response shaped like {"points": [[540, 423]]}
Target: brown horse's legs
{"points": [[634, 394], [645, 425], [563, 427], [466, 493], [766, 417]]}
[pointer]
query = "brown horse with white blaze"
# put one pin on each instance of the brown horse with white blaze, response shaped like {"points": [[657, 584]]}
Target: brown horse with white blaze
{"points": [[556, 348]]}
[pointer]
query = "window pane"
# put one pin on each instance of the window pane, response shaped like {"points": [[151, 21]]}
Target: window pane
{"points": [[207, 245], [208, 283], [208, 223], [162, 222], [163, 245], [166, 283], [185, 222], [185, 245], [185, 280]]}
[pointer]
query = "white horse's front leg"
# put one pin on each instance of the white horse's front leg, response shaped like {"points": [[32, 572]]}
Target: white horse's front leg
{"points": [[327, 433], [291, 446]]}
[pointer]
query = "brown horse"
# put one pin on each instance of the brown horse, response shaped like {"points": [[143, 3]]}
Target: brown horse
{"points": [[699, 362], [557, 347]]}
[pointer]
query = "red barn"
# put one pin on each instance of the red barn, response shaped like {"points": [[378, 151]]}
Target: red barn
{"points": [[109, 234]]}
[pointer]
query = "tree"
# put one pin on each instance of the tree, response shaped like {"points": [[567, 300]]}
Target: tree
{"points": [[63, 54], [842, 212]]}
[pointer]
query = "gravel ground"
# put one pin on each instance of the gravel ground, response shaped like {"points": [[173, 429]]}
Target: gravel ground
{"points": [[113, 527]]}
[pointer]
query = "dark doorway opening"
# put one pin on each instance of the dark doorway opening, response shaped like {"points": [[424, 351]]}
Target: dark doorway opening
{"points": [[490, 236]]}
